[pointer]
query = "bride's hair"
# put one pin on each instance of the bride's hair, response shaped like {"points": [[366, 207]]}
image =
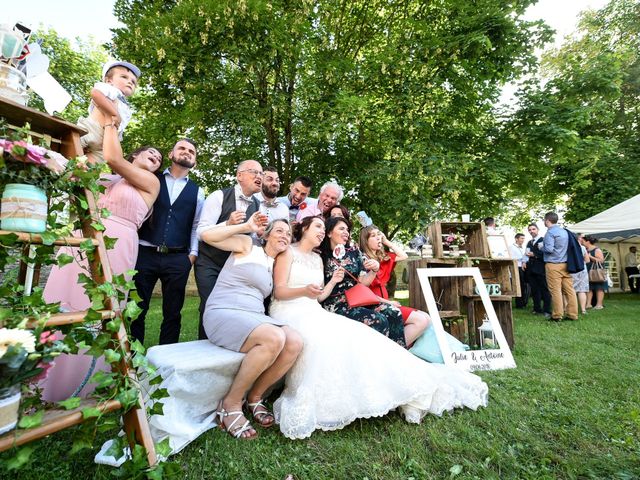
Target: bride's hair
{"points": [[301, 227]]}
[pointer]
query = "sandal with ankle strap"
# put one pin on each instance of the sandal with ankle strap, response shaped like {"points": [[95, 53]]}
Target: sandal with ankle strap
{"points": [[259, 416], [237, 432]]}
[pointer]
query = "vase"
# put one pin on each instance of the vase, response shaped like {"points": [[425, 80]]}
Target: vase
{"points": [[9, 403], [24, 208], [13, 84]]}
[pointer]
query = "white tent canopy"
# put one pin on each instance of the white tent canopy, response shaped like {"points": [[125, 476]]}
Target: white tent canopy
{"points": [[618, 223]]}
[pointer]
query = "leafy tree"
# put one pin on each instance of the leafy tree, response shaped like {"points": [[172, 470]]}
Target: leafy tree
{"points": [[391, 97], [75, 65], [575, 133]]}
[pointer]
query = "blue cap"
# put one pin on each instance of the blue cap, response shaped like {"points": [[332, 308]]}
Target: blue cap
{"points": [[130, 66]]}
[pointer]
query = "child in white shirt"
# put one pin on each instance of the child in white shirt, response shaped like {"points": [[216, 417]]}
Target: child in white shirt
{"points": [[108, 105]]}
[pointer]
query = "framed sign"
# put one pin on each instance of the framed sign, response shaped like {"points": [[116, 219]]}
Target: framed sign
{"points": [[498, 246], [494, 353]]}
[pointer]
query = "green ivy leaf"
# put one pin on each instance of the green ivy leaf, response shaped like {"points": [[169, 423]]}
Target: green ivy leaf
{"points": [[112, 356], [90, 412], [157, 409], [159, 393], [32, 420], [156, 380], [70, 403], [20, 458], [48, 237], [64, 259]]}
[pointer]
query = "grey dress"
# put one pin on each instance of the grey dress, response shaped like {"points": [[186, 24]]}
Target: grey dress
{"points": [[236, 304]]}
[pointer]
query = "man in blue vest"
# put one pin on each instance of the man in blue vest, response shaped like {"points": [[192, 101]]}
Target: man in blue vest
{"points": [[168, 243], [228, 206]]}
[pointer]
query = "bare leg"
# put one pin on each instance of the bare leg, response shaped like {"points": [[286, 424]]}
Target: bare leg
{"points": [[599, 298], [582, 300], [285, 360], [262, 347], [416, 324], [589, 298]]}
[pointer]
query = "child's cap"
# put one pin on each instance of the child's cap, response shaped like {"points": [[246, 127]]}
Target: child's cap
{"points": [[109, 65]]}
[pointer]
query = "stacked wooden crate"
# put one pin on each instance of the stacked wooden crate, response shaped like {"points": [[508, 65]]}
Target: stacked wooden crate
{"points": [[460, 307]]}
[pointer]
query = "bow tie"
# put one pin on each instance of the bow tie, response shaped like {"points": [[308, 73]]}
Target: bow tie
{"points": [[272, 203], [245, 198], [294, 207]]}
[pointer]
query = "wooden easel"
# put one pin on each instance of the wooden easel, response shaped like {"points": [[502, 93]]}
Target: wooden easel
{"points": [[65, 138]]}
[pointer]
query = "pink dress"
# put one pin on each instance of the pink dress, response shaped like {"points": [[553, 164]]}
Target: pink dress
{"points": [[128, 211]]}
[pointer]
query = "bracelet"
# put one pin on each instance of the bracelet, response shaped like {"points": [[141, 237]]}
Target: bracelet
{"points": [[109, 125]]}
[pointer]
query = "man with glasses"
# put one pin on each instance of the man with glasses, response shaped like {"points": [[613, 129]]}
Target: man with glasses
{"points": [[229, 206], [269, 203]]}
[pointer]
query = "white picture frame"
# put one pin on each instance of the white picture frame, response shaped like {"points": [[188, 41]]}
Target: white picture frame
{"points": [[498, 246], [471, 360]]}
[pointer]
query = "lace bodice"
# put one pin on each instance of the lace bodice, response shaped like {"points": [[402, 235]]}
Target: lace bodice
{"points": [[306, 268]]}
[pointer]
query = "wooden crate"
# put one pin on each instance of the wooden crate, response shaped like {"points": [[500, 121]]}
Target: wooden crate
{"points": [[476, 244], [457, 327], [446, 290], [475, 311], [503, 272]]}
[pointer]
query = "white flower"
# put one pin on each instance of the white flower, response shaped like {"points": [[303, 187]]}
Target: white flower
{"points": [[15, 336]]}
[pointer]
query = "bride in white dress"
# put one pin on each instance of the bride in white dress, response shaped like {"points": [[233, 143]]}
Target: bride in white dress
{"points": [[347, 370]]}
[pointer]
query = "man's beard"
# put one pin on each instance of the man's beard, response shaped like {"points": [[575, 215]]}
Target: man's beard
{"points": [[183, 162], [269, 193]]}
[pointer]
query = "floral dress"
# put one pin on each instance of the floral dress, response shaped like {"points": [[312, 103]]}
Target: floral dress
{"points": [[382, 317]]}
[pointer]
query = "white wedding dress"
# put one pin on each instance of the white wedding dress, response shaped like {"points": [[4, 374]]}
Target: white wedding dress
{"points": [[347, 370]]}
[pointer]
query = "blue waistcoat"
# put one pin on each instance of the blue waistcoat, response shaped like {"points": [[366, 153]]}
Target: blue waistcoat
{"points": [[168, 224]]}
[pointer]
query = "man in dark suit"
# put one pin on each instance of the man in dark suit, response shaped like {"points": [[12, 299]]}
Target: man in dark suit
{"points": [[168, 243], [228, 206], [535, 271]]}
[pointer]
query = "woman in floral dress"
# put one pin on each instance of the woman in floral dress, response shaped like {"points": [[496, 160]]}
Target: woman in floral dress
{"points": [[337, 251]]}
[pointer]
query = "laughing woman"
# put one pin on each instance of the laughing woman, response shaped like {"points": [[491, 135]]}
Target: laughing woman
{"points": [[234, 318], [347, 370]]}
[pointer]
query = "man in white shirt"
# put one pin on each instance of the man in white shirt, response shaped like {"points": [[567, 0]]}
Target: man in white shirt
{"points": [[229, 206], [168, 243], [517, 251], [631, 268], [270, 205]]}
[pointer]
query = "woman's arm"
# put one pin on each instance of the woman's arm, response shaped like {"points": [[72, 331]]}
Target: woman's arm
{"points": [[598, 257], [372, 266], [143, 180], [400, 254], [231, 237], [336, 278]]}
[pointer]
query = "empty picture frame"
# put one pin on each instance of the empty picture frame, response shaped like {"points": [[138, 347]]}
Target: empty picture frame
{"points": [[487, 359], [498, 246]]}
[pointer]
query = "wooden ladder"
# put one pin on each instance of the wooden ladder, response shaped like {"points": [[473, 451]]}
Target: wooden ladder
{"points": [[65, 138]]}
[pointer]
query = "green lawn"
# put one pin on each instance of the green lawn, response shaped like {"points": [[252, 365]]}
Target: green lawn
{"points": [[570, 410]]}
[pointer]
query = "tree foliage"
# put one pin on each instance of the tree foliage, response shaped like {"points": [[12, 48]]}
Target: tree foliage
{"points": [[391, 97], [576, 132]]}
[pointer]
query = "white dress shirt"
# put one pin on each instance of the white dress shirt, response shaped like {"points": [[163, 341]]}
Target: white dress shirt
{"points": [[174, 188], [213, 208], [274, 209], [517, 253]]}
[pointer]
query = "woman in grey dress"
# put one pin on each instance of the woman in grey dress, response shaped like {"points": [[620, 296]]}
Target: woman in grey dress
{"points": [[234, 318]]}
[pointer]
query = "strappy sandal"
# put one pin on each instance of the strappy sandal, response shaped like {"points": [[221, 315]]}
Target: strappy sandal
{"points": [[237, 432], [259, 415]]}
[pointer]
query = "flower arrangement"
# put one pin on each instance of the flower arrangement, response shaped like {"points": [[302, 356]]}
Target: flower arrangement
{"points": [[22, 358], [453, 238]]}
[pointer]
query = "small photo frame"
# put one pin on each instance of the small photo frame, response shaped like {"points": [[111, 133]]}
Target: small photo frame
{"points": [[497, 355], [498, 246]]}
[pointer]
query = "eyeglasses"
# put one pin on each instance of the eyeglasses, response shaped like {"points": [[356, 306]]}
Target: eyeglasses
{"points": [[255, 173]]}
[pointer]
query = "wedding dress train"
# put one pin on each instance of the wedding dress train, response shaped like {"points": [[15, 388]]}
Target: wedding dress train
{"points": [[347, 370]]}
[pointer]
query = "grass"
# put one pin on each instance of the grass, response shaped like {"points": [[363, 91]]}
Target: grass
{"points": [[570, 410]]}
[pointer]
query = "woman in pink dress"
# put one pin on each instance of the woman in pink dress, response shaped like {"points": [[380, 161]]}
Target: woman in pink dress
{"points": [[129, 196]]}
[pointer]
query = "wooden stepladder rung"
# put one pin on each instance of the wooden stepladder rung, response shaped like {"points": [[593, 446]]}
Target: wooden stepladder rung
{"points": [[66, 137]]}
